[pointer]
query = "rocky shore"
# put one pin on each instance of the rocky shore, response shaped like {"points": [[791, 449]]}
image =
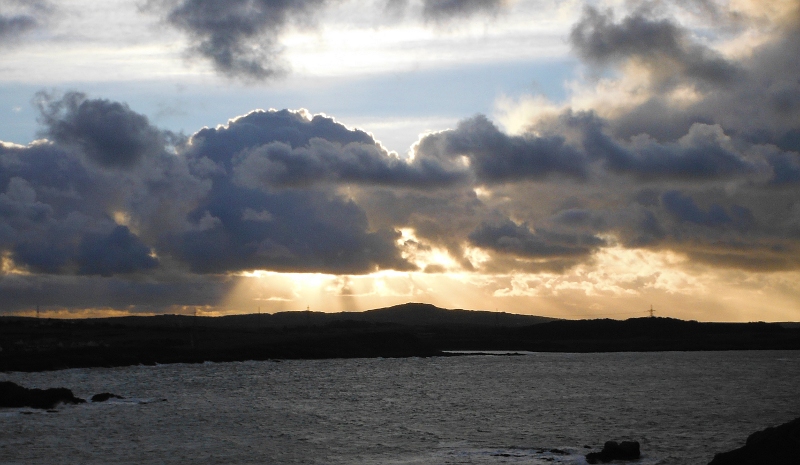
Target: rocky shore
{"points": [[779, 445], [13, 395]]}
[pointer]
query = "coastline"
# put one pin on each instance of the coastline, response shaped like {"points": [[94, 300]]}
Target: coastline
{"points": [[29, 344]]}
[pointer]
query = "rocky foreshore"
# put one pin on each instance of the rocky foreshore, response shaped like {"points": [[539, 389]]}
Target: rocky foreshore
{"points": [[13, 395], [779, 445], [626, 450]]}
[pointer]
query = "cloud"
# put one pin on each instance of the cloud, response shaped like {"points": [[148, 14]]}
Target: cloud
{"points": [[12, 26], [292, 149], [160, 294], [572, 145], [27, 16], [497, 157], [279, 165], [109, 194], [54, 218], [259, 193], [297, 231], [750, 95], [521, 241], [275, 201], [239, 37], [108, 133], [440, 10], [659, 44], [697, 157], [116, 252], [684, 209], [704, 152]]}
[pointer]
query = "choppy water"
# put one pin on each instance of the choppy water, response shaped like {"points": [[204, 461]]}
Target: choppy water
{"points": [[681, 407]]}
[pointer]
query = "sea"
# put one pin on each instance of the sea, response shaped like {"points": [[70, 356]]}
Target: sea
{"points": [[531, 408]]}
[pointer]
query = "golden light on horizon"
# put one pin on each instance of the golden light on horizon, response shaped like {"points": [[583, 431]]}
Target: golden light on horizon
{"points": [[620, 283]]}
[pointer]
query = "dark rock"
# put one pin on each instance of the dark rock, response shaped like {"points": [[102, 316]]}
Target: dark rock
{"points": [[779, 445], [627, 450], [104, 396], [14, 396]]}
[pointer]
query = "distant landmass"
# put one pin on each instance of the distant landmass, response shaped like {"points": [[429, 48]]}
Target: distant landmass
{"points": [[410, 314], [414, 329]]}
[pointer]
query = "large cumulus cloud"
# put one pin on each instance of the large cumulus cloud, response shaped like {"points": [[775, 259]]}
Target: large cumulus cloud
{"points": [[108, 194], [109, 133], [713, 177], [755, 95], [703, 161], [276, 200]]}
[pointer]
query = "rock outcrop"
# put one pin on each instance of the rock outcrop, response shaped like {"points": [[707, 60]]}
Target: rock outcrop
{"points": [[15, 396], [779, 445], [104, 396], [626, 450]]}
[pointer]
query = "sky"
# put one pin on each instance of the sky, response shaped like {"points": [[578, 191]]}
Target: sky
{"points": [[563, 158]]}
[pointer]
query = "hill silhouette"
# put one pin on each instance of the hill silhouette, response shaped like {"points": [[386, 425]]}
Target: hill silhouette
{"points": [[409, 314], [30, 344]]}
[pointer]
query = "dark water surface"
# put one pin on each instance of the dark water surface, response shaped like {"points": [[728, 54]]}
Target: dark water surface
{"points": [[681, 407]]}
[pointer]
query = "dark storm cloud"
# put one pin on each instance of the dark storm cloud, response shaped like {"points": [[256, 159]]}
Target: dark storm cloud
{"points": [[116, 252], [155, 295], [259, 193], [702, 153], [274, 203], [108, 133], [684, 209], [258, 128], [439, 10], [52, 221], [290, 230], [58, 202], [287, 149], [640, 191], [660, 43], [278, 164], [754, 99], [497, 157], [239, 37], [785, 168], [672, 159], [519, 240]]}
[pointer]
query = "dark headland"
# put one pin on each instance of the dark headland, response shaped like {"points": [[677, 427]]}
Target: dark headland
{"points": [[31, 344]]}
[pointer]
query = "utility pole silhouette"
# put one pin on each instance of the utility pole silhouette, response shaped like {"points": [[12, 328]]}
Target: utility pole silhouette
{"points": [[651, 311], [194, 326]]}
